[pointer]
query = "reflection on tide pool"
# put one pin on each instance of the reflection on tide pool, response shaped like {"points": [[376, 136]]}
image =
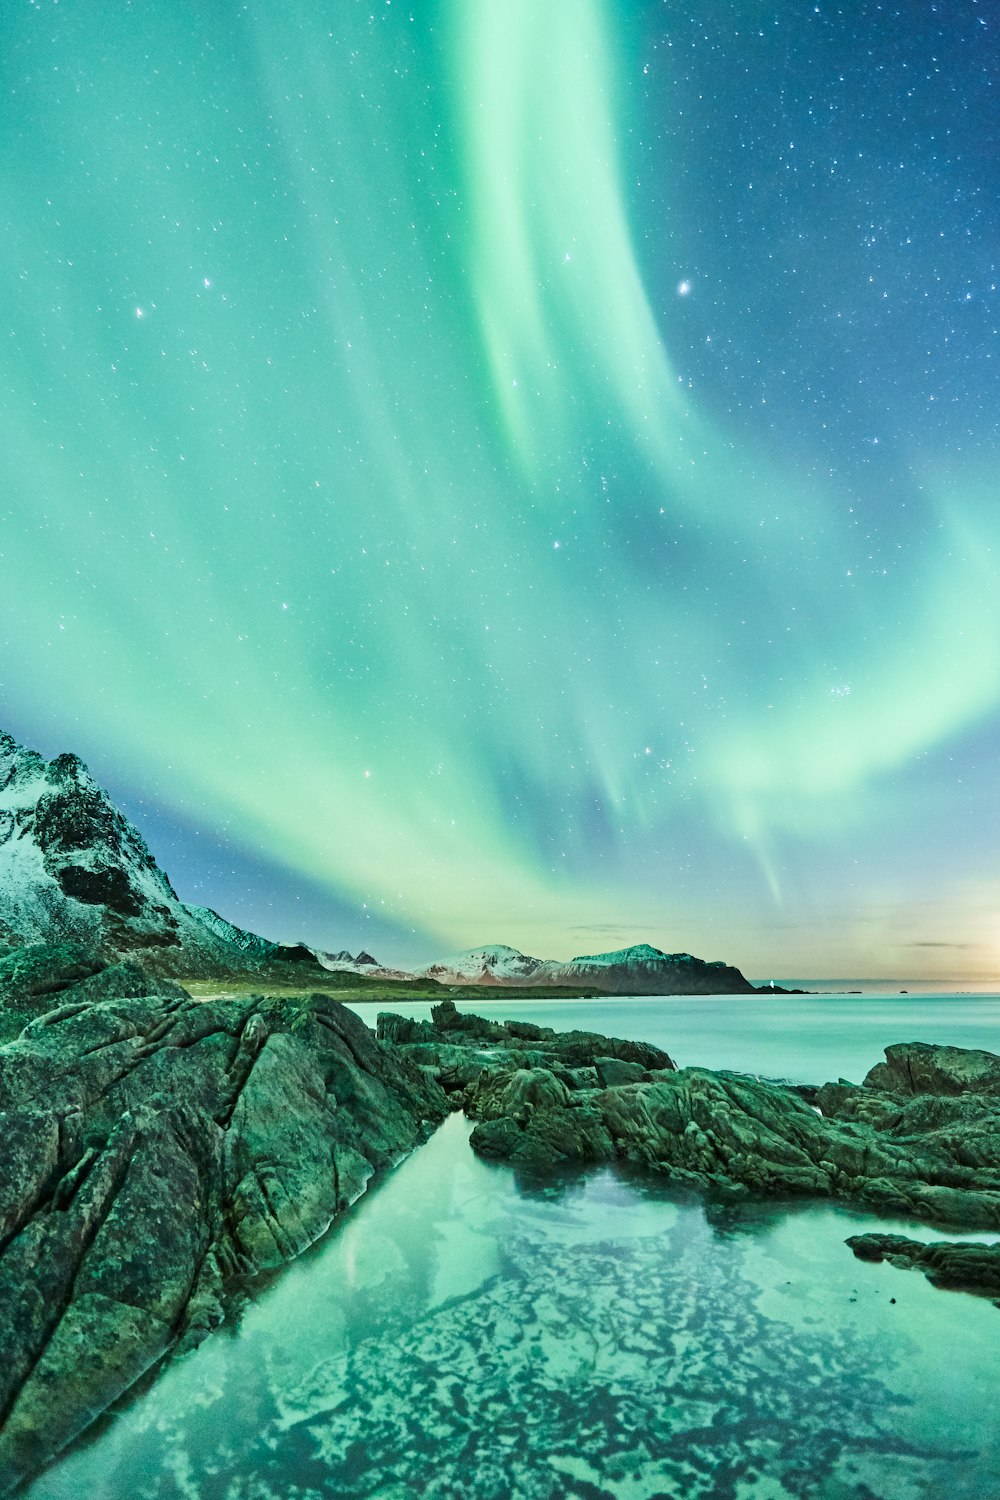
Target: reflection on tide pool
{"points": [[463, 1333]]}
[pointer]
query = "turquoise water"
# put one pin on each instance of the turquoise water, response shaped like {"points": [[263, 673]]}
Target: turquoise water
{"points": [[464, 1332], [805, 1039]]}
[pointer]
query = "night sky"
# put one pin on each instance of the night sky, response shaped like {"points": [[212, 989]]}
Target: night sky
{"points": [[517, 470]]}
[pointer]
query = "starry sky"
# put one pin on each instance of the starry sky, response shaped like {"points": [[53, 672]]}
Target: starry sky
{"points": [[482, 470]]}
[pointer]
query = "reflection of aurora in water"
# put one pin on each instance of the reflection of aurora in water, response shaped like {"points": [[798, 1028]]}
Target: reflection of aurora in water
{"points": [[593, 1339], [371, 496]]}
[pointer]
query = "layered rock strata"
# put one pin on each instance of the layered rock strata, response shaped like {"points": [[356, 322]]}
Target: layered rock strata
{"points": [[156, 1150]]}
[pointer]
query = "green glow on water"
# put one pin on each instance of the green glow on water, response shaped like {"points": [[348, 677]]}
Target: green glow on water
{"points": [[462, 1332]]}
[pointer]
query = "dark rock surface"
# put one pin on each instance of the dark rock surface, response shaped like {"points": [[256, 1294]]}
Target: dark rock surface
{"points": [[919, 1068], [956, 1265], [645, 970], [542, 1098], [73, 868], [156, 1150]]}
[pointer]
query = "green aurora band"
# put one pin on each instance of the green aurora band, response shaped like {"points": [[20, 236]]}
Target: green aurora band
{"points": [[356, 506]]}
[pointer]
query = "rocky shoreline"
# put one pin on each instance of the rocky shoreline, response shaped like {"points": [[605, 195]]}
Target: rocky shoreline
{"points": [[919, 1138], [161, 1150], [158, 1149]]}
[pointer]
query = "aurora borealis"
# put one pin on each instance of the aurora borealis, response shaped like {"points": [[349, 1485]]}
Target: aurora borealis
{"points": [[497, 471]]}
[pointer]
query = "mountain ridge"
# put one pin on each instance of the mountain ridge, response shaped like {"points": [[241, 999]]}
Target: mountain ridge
{"points": [[74, 868]]}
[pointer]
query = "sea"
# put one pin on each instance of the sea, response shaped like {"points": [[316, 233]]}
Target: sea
{"points": [[469, 1331]]}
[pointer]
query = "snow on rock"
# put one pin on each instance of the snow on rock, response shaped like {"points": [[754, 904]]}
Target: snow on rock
{"points": [[73, 868], [639, 970], [343, 963], [495, 963]]}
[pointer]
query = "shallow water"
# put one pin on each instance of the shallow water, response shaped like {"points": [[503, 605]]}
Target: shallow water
{"points": [[466, 1333]]}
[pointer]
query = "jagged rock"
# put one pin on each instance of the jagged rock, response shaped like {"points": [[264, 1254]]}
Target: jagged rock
{"points": [[957, 1265], [472, 1057], [920, 1068], [36, 972], [610, 1071], [154, 1148], [73, 869], [543, 1098]]}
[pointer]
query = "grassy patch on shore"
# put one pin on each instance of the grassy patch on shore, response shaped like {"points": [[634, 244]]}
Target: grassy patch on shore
{"points": [[356, 988]]}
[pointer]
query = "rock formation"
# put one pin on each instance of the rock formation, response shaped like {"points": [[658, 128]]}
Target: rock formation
{"points": [[155, 1149], [957, 1266], [906, 1141], [159, 1150], [73, 868]]}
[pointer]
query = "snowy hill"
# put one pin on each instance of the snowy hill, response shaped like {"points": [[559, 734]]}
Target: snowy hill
{"points": [[639, 970], [493, 964], [72, 867]]}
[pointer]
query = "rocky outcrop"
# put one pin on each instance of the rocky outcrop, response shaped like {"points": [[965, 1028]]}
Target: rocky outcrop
{"points": [[73, 868], [156, 1150], [955, 1265], [919, 1068], [542, 1098]]}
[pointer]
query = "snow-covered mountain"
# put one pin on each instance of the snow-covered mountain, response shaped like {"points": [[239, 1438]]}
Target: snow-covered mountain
{"points": [[493, 964], [640, 970], [343, 963], [73, 868]]}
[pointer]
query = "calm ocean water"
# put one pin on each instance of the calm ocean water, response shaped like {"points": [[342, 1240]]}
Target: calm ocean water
{"points": [[463, 1332], [804, 1038]]}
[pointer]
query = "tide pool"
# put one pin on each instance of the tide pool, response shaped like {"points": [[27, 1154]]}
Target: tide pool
{"points": [[465, 1331]]}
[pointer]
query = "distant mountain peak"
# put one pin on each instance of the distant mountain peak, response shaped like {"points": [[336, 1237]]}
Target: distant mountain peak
{"points": [[640, 969], [638, 953], [493, 963]]}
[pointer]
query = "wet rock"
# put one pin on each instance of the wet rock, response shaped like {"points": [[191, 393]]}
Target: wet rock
{"points": [[954, 1264], [920, 1138], [155, 1148], [920, 1068], [612, 1071]]}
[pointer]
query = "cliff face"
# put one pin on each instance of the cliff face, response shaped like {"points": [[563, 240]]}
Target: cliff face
{"points": [[155, 1147], [73, 868]]}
